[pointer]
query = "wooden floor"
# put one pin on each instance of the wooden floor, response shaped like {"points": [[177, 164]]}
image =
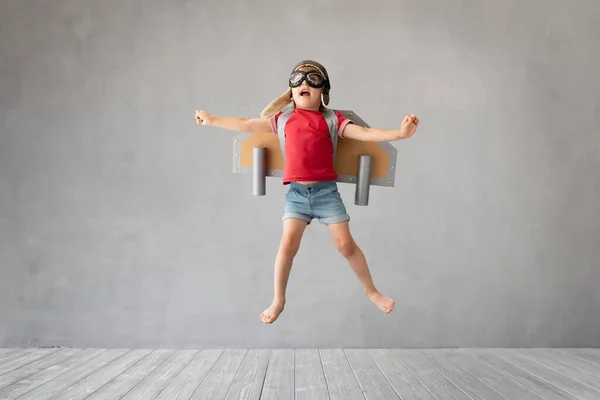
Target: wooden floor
{"points": [[345, 374]]}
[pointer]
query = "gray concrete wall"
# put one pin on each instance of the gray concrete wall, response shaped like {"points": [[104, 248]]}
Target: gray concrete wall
{"points": [[122, 224]]}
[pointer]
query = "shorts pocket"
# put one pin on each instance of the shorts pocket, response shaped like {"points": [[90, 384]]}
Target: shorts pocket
{"points": [[291, 194]]}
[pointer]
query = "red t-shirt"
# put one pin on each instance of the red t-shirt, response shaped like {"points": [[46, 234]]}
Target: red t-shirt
{"points": [[308, 146]]}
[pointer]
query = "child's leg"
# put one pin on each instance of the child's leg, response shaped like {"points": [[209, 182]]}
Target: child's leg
{"points": [[349, 249], [288, 247]]}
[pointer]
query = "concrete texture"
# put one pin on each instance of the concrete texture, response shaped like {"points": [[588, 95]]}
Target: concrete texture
{"points": [[122, 224]]}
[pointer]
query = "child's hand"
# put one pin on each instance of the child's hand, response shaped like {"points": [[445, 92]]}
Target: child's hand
{"points": [[409, 126], [203, 118]]}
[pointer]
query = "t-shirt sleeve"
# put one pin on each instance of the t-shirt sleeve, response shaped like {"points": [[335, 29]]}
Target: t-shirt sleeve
{"points": [[342, 122], [274, 121]]}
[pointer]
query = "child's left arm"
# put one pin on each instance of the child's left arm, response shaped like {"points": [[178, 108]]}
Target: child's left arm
{"points": [[406, 130]]}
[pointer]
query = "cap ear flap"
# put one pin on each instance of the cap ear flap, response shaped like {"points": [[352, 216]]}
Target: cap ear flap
{"points": [[276, 105]]}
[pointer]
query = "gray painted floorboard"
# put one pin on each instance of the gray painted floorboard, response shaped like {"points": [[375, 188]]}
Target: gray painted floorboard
{"points": [[11, 354], [405, 384], [24, 359], [49, 373], [156, 381], [591, 359], [310, 378], [99, 378], [573, 387], [120, 385], [188, 380], [541, 387], [468, 384], [220, 378], [339, 376], [305, 374], [569, 367], [372, 382], [248, 383], [30, 369], [53, 387], [500, 383], [433, 380], [279, 380]]}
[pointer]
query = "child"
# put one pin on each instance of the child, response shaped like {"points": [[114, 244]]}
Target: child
{"points": [[309, 171]]}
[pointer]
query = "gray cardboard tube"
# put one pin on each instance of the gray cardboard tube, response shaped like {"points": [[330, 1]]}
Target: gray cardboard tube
{"points": [[259, 171], [363, 179]]}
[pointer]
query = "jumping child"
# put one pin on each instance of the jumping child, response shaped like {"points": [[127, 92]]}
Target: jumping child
{"points": [[309, 172]]}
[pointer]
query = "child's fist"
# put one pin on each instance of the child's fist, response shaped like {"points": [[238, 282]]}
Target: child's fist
{"points": [[203, 118], [409, 126]]}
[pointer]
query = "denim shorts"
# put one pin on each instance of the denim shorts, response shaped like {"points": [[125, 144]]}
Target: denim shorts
{"points": [[320, 200]]}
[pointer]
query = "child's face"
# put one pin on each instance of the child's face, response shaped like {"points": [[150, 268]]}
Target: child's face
{"points": [[306, 96]]}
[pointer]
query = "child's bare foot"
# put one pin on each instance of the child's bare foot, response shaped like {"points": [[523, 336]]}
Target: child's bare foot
{"points": [[385, 304], [270, 314]]}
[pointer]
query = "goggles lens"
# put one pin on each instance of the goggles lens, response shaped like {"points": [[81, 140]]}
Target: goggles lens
{"points": [[314, 79]]}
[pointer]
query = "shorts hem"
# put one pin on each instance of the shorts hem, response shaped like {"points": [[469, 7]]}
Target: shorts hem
{"points": [[335, 219], [293, 215]]}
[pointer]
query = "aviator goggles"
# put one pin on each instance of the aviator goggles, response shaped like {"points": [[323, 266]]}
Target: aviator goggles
{"points": [[313, 79]]}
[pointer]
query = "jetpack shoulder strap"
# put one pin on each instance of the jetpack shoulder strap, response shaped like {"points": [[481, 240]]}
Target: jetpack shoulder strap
{"points": [[332, 122], [281, 121], [330, 118]]}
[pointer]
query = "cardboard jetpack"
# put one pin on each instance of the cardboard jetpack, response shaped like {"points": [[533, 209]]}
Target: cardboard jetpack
{"points": [[356, 162]]}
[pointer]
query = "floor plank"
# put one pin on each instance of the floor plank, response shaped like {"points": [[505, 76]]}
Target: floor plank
{"points": [[575, 388], [120, 385], [467, 383], [27, 370], [24, 359], [71, 377], [157, 380], [96, 380], [590, 357], [406, 385], [544, 389], [500, 383], [340, 379], [188, 380], [309, 376], [594, 352], [47, 374], [248, 383], [220, 377], [435, 382], [11, 354], [372, 382], [571, 358], [575, 372], [348, 374], [279, 379]]}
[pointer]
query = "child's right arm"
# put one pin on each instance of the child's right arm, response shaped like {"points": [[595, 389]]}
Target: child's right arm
{"points": [[233, 123]]}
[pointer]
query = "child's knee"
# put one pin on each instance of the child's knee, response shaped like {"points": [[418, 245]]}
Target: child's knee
{"points": [[290, 245], [346, 246]]}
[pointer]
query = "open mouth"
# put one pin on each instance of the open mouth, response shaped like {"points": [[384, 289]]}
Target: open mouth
{"points": [[304, 92]]}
